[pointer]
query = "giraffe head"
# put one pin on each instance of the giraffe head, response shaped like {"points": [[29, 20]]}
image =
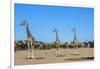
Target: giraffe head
{"points": [[24, 23], [73, 30], [55, 30]]}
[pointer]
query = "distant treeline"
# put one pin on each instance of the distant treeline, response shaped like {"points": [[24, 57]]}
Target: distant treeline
{"points": [[22, 45]]}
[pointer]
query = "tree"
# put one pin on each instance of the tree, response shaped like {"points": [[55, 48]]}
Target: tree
{"points": [[91, 43]]}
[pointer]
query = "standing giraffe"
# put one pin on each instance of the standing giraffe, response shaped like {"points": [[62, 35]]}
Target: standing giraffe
{"points": [[75, 41], [57, 41], [30, 39]]}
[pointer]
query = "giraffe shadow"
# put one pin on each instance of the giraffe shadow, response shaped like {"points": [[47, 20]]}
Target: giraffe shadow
{"points": [[81, 58], [74, 54], [29, 58], [39, 58], [36, 58], [60, 55]]}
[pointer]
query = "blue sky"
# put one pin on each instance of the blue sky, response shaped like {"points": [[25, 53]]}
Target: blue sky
{"points": [[43, 19]]}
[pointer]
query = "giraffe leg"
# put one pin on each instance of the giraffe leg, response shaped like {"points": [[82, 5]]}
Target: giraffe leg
{"points": [[32, 54], [58, 49], [28, 53], [57, 52]]}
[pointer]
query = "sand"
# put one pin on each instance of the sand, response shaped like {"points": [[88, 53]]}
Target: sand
{"points": [[50, 56]]}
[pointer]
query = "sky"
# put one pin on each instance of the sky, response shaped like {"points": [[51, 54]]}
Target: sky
{"points": [[43, 19]]}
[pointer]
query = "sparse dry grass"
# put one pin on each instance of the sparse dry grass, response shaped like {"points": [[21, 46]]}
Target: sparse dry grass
{"points": [[49, 56]]}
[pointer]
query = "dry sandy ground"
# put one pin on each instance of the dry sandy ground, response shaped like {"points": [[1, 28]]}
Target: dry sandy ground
{"points": [[49, 56]]}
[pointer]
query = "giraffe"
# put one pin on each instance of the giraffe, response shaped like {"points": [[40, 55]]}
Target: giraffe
{"points": [[75, 41], [57, 41], [30, 39]]}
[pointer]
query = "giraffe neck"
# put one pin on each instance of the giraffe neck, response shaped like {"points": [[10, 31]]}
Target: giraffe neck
{"points": [[27, 31], [29, 35], [75, 37], [57, 39]]}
